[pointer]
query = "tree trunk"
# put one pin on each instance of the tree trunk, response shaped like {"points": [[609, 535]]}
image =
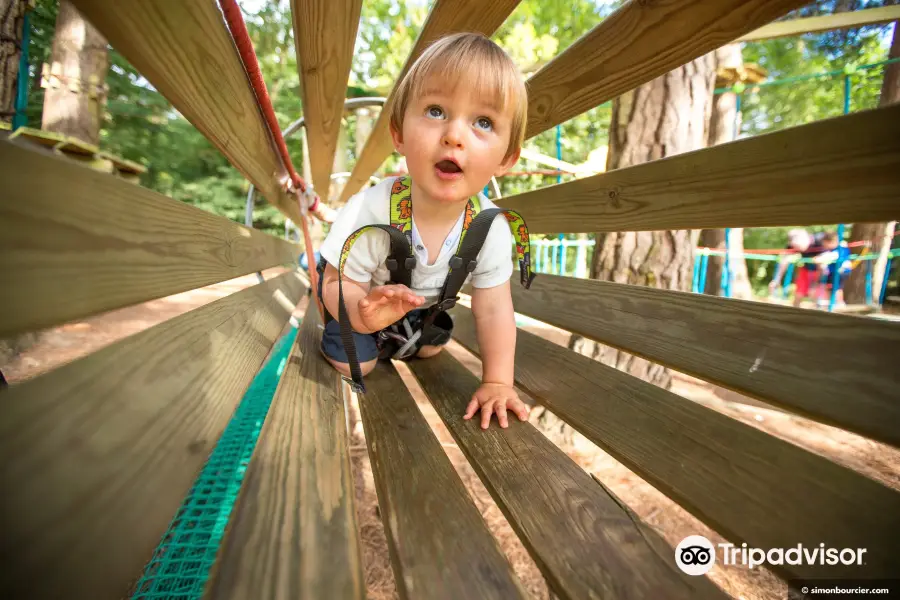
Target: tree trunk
{"points": [[722, 129], [76, 90], [855, 287], [664, 117], [12, 15]]}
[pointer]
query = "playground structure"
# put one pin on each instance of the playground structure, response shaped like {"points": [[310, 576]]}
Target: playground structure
{"points": [[97, 456]]}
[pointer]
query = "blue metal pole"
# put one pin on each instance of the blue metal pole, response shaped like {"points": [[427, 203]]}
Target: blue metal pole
{"points": [[696, 278], [703, 263], [846, 94], [726, 267], [20, 119], [869, 268], [788, 277], [562, 254], [558, 149], [887, 274], [835, 275]]}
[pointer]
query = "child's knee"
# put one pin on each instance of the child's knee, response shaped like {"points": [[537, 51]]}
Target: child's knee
{"points": [[344, 368], [429, 351]]}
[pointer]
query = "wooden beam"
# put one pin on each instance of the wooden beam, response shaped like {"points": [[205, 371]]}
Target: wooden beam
{"points": [[325, 35], [584, 542], [840, 170], [293, 531], [74, 243], [185, 50], [637, 43], [749, 486], [837, 369], [434, 530], [447, 16], [97, 455], [845, 20]]}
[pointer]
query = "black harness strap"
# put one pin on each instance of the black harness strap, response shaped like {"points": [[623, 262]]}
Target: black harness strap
{"points": [[400, 263]]}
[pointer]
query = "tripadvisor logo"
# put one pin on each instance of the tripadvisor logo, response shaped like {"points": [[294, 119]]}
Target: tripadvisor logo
{"points": [[696, 555]]}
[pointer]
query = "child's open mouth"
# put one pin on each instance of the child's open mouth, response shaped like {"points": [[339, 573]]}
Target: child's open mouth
{"points": [[448, 169]]}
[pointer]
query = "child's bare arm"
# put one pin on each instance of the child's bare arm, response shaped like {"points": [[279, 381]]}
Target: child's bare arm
{"points": [[495, 325], [369, 310]]}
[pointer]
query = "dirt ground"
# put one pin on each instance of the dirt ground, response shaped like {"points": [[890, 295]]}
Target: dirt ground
{"points": [[66, 343]]}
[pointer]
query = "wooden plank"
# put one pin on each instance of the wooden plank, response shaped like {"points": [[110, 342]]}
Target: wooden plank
{"points": [[186, 51], [446, 16], [434, 531], [840, 170], [585, 544], [845, 20], [637, 43], [96, 456], [293, 530], [325, 35], [74, 242], [837, 369], [750, 486]]}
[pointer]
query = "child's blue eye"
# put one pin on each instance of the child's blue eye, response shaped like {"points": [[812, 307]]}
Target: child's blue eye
{"points": [[484, 123], [435, 112]]}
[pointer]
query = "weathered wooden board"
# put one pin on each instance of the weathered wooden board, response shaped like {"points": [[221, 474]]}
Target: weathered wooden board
{"points": [[744, 483], [440, 546], [325, 35], [844, 20], [637, 43], [293, 531], [837, 369], [96, 456], [186, 51], [74, 243], [447, 16], [584, 542], [840, 170]]}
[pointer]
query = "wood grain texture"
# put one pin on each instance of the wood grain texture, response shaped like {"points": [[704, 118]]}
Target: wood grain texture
{"points": [[74, 243], [96, 456], [186, 51], [293, 531], [837, 369], [639, 42], [325, 35], [440, 546], [582, 540], [844, 20], [446, 16], [744, 483], [840, 170]]}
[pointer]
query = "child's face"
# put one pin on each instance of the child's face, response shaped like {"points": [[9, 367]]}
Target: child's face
{"points": [[454, 141]]}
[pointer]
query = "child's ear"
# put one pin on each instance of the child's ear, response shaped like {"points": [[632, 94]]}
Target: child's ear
{"points": [[397, 138], [508, 163]]}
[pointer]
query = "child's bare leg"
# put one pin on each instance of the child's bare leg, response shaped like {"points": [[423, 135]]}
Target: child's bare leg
{"points": [[429, 351], [344, 368]]}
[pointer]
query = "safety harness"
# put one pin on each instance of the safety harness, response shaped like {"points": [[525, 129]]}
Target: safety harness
{"points": [[402, 339]]}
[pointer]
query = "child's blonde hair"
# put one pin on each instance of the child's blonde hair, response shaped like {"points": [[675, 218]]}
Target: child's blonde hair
{"points": [[473, 60]]}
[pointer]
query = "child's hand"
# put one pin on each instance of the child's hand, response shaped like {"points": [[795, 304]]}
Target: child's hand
{"points": [[387, 304], [496, 398]]}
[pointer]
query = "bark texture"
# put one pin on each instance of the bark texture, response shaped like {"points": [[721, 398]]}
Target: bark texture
{"points": [[874, 233], [75, 79], [664, 117], [12, 15]]}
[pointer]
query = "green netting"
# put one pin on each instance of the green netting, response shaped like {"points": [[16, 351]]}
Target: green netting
{"points": [[180, 564]]}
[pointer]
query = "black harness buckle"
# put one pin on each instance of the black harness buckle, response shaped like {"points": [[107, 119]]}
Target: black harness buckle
{"points": [[444, 305]]}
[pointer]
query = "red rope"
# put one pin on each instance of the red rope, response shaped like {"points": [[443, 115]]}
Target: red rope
{"points": [[241, 37]]}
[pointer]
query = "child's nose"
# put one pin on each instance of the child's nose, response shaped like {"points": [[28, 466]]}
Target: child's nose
{"points": [[453, 136]]}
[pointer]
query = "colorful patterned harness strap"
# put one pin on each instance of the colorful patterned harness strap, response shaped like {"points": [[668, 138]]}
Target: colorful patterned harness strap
{"points": [[401, 262]]}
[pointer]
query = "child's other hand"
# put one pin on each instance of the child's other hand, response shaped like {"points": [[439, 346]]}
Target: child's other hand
{"points": [[387, 304], [496, 398]]}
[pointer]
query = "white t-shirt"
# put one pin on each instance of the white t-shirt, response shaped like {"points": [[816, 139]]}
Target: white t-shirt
{"points": [[368, 255]]}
